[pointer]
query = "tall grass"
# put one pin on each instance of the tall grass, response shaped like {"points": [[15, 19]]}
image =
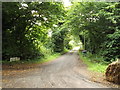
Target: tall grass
{"points": [[94, 62]]}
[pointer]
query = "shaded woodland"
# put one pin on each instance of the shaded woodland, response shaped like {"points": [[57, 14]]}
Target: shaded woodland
{"points": [[38, 29]]}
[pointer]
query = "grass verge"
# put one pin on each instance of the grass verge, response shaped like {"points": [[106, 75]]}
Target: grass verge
{"points": [[34, 61], [94, 62], [49, 58]]}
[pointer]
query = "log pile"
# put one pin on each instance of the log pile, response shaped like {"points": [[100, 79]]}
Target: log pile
{"points": [[113, 72]]}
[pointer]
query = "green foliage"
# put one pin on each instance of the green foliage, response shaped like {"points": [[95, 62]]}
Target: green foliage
{"points": [[97, 25], [112, 43], [26, 26], [35, 61], [112, 46], [94, 62], [58, 40]]}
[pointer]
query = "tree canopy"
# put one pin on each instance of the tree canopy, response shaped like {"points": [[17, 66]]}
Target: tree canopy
{"points": [[97, 25], [35, 29], [26, 27]]}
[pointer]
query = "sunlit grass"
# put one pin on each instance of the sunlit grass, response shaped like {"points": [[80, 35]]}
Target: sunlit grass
{"points": [[34, 61], [49, 58], [39, 60], [94, 63]]}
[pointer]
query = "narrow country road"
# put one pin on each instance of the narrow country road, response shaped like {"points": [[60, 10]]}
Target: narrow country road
{"points": [[64, 72]]}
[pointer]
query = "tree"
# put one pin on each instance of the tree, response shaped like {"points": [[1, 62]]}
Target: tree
{"points": [[97, 26], [25, 27]]}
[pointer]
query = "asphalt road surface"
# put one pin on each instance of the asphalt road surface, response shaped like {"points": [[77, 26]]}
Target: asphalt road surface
{"points": [[63, 72]]}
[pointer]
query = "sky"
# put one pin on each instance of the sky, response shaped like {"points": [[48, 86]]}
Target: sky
{"points": [[66, 3]]}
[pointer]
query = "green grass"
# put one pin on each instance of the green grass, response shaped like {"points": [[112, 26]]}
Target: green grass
{"points": [[94, 63], [34, 61], [65, 51], [47, 57]]}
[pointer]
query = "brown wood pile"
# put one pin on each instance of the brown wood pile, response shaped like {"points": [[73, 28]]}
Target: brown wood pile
{"points": [[113, 72]]}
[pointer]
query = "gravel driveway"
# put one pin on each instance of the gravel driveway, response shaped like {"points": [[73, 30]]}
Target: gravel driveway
{"points": [[63, 72]]}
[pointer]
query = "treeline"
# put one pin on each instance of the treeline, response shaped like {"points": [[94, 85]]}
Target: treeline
{"points": [[37, 29], [33, 29], [97, 25]]}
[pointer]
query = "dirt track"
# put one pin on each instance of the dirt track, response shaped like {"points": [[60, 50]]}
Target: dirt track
{"points": [[66, 71]]}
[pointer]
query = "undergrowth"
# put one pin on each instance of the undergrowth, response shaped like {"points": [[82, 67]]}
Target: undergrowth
{"points": [[94, 62], [38, 60], [34, 61]]}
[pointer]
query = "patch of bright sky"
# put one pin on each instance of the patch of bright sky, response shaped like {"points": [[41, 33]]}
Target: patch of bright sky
{"points": [[67, 3]]}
